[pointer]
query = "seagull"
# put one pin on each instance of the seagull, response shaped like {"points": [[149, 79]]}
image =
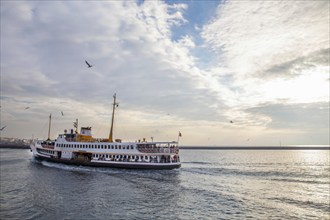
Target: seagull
{"points": [[62, 113], [231, 122], [27, 108], [89, 66], [3, 128]]}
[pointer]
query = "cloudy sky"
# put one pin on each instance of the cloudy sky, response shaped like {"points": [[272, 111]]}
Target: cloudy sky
{"points": [[189, 66]]}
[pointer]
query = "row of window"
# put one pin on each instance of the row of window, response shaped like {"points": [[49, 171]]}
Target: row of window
{"points": [[136, 158], [98, 146], [101, 156], [45, 151]]}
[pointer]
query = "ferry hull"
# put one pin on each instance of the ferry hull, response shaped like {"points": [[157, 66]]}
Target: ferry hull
{"points": [[127, 165]]}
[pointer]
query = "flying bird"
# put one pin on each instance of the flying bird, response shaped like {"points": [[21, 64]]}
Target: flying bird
{"points": [[3, 128], [89, 66], [62, 113], [231, 122], [27, 108]]}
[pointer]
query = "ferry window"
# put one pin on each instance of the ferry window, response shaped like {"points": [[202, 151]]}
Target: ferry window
{"points": [[132, 147], [119, 147], [111, 146], [115, 146]]}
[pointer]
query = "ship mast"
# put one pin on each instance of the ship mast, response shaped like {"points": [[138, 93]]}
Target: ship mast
{"points": [[50, 122], [113, 117]]}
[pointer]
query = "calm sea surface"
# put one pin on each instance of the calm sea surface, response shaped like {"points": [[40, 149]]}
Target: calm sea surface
{"points": [[212, 184]]}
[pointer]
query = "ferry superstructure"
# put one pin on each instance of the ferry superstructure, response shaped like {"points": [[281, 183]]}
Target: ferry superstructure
{"points": [[82, 149]]}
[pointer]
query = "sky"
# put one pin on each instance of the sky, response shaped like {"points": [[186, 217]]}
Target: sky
{"points": [[188, 66]]}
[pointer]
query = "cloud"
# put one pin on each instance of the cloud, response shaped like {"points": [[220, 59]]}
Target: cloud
{"points": [[306, 117], [254, 36], [130, 48], [295, 67], [167, 77], [266, 48]]}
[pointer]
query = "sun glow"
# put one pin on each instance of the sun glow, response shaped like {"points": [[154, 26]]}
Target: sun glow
{"points": [[312, 86]]}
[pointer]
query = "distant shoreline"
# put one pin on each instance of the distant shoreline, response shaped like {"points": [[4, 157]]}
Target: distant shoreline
{"points": [[21, 146]]}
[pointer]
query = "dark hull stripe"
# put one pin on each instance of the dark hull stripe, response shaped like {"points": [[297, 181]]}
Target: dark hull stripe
{"points": [[113, 165]]}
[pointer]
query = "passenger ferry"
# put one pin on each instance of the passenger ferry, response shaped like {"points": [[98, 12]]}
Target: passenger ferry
{"points": [[82, 149]]}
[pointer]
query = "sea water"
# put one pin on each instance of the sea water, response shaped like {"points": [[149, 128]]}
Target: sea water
{"points": [[211, 184]]}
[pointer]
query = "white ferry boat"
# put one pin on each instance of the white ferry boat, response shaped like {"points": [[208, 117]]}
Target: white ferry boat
{"points": [[82, 149]]}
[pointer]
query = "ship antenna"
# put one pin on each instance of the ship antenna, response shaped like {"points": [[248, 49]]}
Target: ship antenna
{"points": [[113, 117], [50, 122]]}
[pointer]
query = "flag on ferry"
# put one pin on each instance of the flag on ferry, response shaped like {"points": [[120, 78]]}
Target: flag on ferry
{"points": [[180, 135]]}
